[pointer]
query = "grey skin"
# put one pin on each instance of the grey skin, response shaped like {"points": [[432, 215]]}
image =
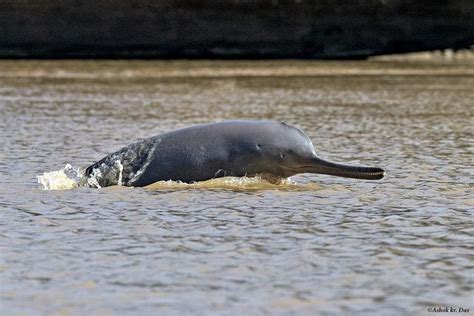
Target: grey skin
{"points": [[230, 148]]}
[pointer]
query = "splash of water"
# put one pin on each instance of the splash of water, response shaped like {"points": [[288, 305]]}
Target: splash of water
{"points": [[234, 183], [70, 178], [92, 179], [119, 165], [63, 179]]}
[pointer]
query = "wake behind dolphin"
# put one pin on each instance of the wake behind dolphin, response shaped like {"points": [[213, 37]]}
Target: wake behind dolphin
{"points": [[230, 148]]}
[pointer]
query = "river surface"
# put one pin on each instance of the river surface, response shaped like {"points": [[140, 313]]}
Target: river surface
{"points": [[316, 245]]}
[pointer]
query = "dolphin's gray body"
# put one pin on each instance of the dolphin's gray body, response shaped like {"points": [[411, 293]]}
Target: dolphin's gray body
{"points": [[231, 148]]}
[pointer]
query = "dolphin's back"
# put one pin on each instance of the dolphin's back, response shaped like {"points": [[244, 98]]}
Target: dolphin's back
{"points": [[190, 154]]}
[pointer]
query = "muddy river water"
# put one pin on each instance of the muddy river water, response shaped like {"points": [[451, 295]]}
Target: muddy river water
{"points": [[318, 245]]}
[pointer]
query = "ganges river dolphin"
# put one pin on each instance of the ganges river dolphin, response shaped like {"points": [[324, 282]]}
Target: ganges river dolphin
{"points": [[229, 148]]}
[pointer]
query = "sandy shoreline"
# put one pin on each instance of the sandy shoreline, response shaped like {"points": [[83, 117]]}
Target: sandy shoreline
{"points": [[445, 55]]}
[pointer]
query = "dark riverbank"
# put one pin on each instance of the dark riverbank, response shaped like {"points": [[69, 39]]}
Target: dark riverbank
{"points": [[231, 29]]}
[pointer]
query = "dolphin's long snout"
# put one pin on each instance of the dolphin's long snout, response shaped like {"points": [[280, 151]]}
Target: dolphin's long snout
{"points": [[321, 166]]}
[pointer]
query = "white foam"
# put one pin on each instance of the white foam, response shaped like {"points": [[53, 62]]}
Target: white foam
{"points": [[62, 179], [120, 167], [232, 183], [92, 179]]}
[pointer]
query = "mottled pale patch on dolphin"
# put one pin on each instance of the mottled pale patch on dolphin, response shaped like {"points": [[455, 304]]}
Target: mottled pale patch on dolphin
{"points": [[232, 148]]}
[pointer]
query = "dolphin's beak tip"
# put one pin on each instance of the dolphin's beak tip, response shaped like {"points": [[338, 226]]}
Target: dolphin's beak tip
{"points": [[383, 173]]}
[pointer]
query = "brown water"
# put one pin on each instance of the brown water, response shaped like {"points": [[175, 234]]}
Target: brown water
{"points": [[319, 244]]}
